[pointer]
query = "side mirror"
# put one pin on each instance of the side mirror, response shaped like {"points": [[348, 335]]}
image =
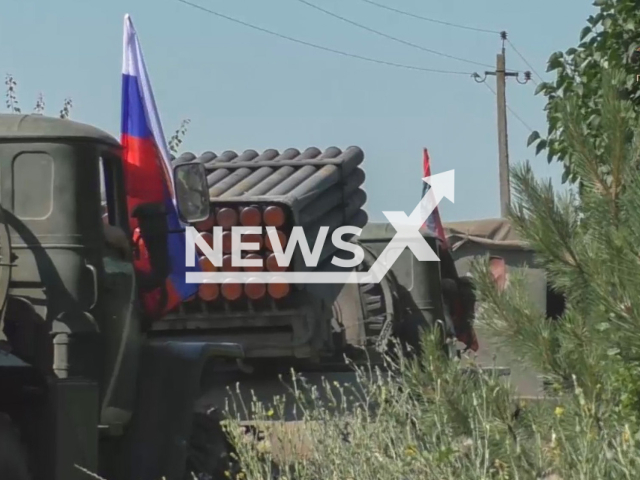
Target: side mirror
{"points": [[192, 192]]}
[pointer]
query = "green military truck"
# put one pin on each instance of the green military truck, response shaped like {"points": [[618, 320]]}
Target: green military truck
{"points": [[87, 383], [305, 327], [508, 253], [74, 349]]}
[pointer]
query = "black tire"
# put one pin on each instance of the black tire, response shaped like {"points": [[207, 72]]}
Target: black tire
{"points": [[14, 464], [378, 304], [211, 456]]}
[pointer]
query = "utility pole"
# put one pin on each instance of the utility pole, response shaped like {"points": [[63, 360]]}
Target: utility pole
{"points": [[501, 75]]}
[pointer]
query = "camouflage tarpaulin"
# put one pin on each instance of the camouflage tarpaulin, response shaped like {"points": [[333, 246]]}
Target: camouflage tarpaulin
{"points": [[496, 237], [493, 232]]}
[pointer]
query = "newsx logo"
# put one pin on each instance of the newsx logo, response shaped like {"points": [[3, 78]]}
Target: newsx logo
{"points": [[407, 236], [311, 257]]}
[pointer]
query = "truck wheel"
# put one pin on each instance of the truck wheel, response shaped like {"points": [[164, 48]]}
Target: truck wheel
{"points": [[13, 457], [210, 455], [378, 304]]}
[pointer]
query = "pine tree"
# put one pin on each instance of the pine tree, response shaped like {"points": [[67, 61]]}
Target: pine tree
{"points": [[589, 244]]}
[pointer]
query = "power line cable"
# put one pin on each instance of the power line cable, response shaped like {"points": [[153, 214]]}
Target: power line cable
{"points": [[391, 37], [338, 52], [510, 109], [455, 25], [525, 61], [326, 49], [427, 19]]}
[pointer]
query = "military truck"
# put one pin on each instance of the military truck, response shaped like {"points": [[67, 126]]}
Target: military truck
{"points": [[508, 253], [364, 317], [310, 189], [88, 383], [305, 327], [75, 357]]}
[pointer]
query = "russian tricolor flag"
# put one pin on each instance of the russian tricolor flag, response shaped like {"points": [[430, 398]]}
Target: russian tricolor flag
{"points": [[148, 172], [433, 222]]}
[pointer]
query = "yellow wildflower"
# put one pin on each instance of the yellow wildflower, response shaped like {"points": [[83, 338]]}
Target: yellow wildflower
{"points": [[626, 436], [499, 465], [559, 411], [410, 451]]}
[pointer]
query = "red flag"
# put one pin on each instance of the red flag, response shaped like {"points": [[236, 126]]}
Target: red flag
{"points": [[433, 223], [148, 174]]}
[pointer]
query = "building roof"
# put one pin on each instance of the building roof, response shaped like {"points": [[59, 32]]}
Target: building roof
{"points": [[18, 126]]}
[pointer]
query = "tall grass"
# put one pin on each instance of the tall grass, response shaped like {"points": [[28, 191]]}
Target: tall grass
{"points": [[433, 419]]}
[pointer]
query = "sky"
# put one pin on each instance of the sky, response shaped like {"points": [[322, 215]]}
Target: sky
{"points": [[245, 89]]}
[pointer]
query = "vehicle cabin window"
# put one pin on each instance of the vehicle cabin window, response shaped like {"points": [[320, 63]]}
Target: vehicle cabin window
{"points": [[104, 210], [112, 211], [104, 201], [108, 193]]}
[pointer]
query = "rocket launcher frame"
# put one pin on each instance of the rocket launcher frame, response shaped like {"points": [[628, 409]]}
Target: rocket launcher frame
{"points": [[316, 188]]}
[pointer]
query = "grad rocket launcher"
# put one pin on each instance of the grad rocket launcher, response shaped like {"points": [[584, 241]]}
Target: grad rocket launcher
{"points": [[310, 189]]}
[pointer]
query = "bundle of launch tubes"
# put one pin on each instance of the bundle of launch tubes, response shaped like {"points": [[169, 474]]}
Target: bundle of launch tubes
{"points": [[310, 189], [249, 216]]}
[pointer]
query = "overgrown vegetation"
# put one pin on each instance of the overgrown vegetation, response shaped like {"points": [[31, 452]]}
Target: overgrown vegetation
{"points": [[13, 106], [609, 40], [437, 419]]}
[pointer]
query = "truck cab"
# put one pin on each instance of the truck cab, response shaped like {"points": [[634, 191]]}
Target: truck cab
{"points": [[71, 332]]}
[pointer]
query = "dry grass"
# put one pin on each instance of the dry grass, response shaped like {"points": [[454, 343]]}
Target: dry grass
{"points": [[437, 422]]}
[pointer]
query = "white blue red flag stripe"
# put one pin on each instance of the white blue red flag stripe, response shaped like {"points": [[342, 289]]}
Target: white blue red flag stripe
{"points": [[148, 172], [433, 223]]}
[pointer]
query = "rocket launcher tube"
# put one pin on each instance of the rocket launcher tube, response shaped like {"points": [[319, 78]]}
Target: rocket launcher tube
{"points": [[206, 157], [290, 183], [184, 158], [255, 289], [281, 173], [208, 291], [352, 214], [227, 217], [222, 173], [259, 175], [235, 183], [359, 220], [274, 216], [324, 178], [254, 256], [272, 264], [250, 216], [278, 290], [337, 217], [235, 176], [273, 181], [231, 290], [293, 181], [331, 198]]}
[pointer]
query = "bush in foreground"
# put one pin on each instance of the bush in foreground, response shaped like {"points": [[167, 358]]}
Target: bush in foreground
{"points": [[439, 419]]}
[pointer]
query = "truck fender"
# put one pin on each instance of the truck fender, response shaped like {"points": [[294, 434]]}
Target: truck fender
{"points": [[168, 387]]}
